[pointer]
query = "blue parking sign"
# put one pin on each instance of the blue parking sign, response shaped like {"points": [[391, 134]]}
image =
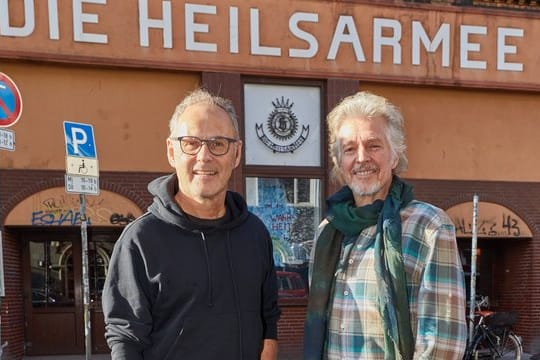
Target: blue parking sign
{"points": [[79, 140]]}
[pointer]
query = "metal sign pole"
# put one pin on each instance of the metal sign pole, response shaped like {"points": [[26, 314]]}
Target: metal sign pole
{"points": [[2, 294], [85, 280], [474, 246]]}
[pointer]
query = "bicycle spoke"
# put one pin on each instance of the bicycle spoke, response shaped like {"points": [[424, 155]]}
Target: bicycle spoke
{"points": [[509, 347]]}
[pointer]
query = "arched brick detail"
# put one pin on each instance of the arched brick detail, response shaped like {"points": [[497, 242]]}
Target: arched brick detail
{"points": [[448, 193], [17, 185]]}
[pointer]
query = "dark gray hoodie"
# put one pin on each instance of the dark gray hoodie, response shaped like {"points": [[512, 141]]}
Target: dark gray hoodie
{"points": [[183, 289]]}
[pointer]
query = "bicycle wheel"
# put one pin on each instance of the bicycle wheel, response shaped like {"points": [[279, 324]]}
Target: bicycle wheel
{"points": [[509, 347], [489, 346]]}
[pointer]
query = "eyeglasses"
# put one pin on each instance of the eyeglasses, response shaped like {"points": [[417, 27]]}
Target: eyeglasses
{"points": [[218, 145]]}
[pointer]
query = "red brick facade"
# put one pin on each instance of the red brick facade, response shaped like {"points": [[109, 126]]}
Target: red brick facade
{"points": [[12, 309], [291, 329]]}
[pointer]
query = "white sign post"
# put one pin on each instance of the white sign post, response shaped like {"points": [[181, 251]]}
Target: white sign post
{"points": [[82, 177]]}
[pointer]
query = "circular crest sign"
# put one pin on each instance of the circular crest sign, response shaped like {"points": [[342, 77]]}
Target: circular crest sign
{"points": [[10, 101]]}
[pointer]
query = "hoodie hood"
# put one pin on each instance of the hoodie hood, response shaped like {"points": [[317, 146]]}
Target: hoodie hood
{"points": [[166, 209]]}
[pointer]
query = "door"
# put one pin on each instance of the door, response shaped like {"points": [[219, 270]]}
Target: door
{"points": [[52, 266], [99, 255]]}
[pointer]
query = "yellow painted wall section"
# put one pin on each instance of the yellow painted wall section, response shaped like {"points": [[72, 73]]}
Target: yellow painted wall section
{"points": [[459, 134], [453, 134], [129, 110]]}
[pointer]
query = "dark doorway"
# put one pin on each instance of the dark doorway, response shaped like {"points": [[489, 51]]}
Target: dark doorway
{"points": [[498, 262], [52, 275]]}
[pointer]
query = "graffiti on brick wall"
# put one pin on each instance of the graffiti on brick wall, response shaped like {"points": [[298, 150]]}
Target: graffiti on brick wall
{"points": [[54, 207], [506, 225], [494, 220]]}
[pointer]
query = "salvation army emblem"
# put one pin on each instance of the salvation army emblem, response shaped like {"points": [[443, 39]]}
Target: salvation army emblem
{"points": [[282, 126]]}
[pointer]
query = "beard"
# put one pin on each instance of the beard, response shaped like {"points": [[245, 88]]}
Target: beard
{"points": [[360, 190]]}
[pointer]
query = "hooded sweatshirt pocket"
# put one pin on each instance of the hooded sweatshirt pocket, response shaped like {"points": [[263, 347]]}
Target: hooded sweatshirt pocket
{"points": [[205, 336]]}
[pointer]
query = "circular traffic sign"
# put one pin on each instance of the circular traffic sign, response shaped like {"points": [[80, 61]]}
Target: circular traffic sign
{"points": [[10, 101]]}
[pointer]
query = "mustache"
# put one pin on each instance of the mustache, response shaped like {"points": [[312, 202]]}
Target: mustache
{"points": [[364, 167]]}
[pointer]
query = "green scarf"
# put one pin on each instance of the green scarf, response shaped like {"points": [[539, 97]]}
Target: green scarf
{"points": [[347, 219]]}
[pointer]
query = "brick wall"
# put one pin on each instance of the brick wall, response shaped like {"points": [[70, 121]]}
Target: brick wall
{"points": [[291, 328], [12, 310]]}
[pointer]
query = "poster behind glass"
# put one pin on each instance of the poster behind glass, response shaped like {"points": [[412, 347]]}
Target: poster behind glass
{"points": [[290, 208]]}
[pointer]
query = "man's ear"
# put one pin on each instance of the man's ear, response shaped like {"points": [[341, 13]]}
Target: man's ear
{"points": [[237, 154], [395, 161], [170, 153]]}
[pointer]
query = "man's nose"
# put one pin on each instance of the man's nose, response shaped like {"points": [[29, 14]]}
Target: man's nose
{"points": [[362, 154], [204, 151]]}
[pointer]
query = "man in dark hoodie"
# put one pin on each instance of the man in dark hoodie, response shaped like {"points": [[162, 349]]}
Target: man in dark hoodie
{"points": [[193, 278]]}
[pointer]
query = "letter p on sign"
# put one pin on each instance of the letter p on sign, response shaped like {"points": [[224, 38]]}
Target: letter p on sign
{"points": [[79, 140], [78, 137]]}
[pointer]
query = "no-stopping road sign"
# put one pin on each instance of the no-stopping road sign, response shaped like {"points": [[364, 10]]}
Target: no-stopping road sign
{"points": [[10, 101]]}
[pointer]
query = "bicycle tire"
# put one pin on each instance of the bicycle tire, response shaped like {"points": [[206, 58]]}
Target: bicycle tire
{"points": [[508, 348]]}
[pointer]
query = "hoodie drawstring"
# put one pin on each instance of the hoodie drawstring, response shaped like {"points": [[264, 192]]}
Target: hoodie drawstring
{"points": [[236, 296], [208, 271]]}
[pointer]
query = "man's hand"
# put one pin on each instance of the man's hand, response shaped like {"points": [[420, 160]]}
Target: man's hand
{"points": [[270, 350]]}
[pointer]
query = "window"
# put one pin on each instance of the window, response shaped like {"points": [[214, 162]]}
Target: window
{"points": [[290, 208], [99, 256], [52, 273]]}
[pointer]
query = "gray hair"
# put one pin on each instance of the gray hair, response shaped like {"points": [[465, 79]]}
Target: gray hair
{"points": [[204, 96], [367, 105]]}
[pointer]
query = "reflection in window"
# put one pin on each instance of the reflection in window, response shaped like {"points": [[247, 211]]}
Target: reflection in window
{"points": [[99, 256], [290, 209], [51, 265]]}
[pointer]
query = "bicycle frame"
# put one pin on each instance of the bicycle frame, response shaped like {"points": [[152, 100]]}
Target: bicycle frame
{"points": [[491, 339], [491, 336]]}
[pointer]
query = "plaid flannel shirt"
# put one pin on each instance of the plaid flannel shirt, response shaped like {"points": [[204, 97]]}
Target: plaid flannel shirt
{"points": [[435, 286]]}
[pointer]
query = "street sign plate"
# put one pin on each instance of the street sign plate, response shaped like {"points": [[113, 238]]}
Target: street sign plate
{"points": [[79, 140], [7, 139], [82, 184], [81, 166]]}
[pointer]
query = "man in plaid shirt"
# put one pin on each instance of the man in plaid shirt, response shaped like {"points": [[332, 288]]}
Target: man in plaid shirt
{"points": [[386, 281]]}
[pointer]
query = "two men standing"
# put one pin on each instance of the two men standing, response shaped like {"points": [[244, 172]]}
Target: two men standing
{"points": [[194, 277]]}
